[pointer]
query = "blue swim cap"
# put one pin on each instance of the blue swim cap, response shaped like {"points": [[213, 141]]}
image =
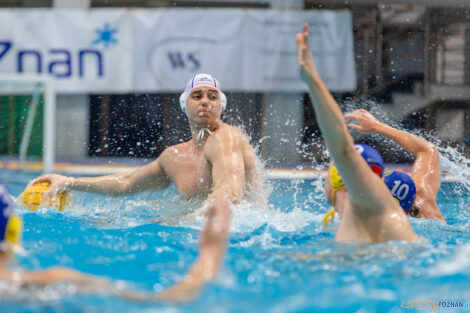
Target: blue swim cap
{"points": [[6, 210], [402, 188], [372, 157]]}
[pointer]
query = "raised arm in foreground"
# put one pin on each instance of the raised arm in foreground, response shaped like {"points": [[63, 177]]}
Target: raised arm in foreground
{"points": [[370, 198]]}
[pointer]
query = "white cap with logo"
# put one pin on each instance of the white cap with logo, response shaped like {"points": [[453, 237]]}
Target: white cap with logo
{"points": [[202, 80]]}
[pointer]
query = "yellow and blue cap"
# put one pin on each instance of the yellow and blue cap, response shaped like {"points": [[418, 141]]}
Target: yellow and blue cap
{"points": [[402, 187], [11, 227], [370, 155]]}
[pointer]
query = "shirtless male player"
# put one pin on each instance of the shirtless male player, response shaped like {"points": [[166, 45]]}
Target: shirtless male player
{"points": [[218, 163]]}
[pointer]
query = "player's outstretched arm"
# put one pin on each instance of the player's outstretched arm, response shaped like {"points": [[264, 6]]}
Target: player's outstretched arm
{"points": [[151, 176]]}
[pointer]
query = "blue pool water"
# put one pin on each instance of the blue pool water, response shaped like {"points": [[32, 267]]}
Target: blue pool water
{"points": [[279, 259]]}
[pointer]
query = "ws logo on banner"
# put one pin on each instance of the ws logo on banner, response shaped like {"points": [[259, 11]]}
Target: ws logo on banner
{"points": [[187, 55], [183, 61], [60, 62]]}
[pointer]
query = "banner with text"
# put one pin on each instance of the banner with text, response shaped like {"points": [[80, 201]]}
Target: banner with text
{"points": [[158, 50]]}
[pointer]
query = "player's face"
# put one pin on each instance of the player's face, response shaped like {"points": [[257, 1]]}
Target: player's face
{"points": [[203, 105]]}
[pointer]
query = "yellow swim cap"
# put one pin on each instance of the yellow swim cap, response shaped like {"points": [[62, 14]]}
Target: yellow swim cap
{"points": [[335, 179], [336, 182], [33, 197]]}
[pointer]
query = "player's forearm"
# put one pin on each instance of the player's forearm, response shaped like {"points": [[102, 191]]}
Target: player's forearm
{"points": [[57, 274], [212, 246], [111, 185], [410, 142], [330, 118]]}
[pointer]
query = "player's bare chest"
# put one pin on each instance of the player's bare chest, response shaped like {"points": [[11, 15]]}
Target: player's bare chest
{"points": [[191, 174]]}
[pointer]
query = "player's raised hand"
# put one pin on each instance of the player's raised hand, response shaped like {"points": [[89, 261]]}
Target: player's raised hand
{"points": [[305, 58]]}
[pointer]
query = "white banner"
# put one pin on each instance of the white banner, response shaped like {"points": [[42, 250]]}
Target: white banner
{"points": [[158, 50], [86, 50]]}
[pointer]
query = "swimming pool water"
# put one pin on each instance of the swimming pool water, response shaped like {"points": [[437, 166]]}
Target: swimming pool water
{"points": [[278, 260]]}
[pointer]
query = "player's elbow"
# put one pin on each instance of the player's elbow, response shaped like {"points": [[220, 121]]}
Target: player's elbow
{"points": [[428, 149], [231, 191], [433, 149], [221, 209], [225, 216], [232, 196]]}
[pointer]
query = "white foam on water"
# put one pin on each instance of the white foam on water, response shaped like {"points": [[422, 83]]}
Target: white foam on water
{"points": [[461, 263], [247, 217], [456, 164]]}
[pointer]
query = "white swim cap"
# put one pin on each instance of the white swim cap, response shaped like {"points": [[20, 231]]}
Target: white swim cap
{"points": [[202, 80]]}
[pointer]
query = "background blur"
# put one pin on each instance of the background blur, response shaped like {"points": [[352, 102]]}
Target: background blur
{"points": [[410, 64]]}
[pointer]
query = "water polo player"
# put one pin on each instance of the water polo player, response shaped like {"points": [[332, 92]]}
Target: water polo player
{"points": [[218, 163], [426, 173], [369, 212], [217, 160], [400, 184]]}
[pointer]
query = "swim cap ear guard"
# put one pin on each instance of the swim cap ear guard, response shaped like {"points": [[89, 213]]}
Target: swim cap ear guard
{"points": [[201, 80], [402, 187]]}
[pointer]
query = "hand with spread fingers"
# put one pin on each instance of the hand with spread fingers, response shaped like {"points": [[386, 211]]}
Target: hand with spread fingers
{"points": [[58, 183], [364, 121], [305, 58]]}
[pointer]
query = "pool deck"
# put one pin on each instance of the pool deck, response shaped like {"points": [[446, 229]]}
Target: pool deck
{"points": [[104, 166]]}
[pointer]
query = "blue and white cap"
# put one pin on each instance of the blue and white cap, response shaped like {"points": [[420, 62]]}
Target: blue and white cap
{"points": [[372, 157], [202, 80], [402, 187]]}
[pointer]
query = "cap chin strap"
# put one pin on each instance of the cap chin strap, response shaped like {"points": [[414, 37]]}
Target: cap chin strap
{"points": [[336, 184], [201, 133], [326, 219], [184, 97]]}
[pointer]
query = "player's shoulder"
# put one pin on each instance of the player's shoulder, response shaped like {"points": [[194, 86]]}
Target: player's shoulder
{"points": [[172, 151], [226, 137], [227, 132]]}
